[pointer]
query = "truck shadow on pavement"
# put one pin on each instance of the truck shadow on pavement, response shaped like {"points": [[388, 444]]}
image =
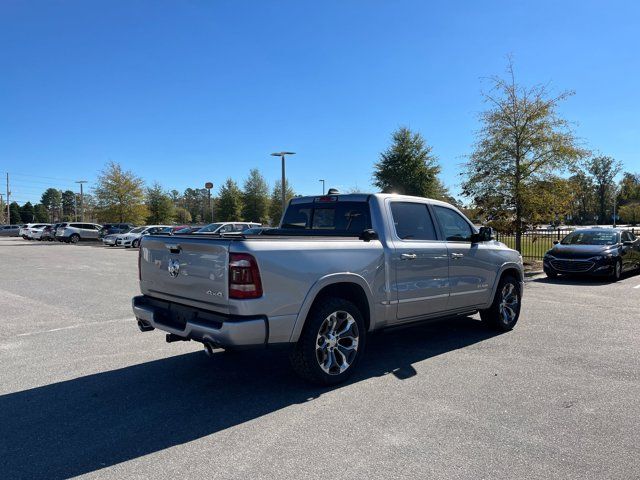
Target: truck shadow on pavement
{"points": [[82, 425]]}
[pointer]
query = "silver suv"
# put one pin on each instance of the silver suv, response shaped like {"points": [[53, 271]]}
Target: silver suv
{"points": [[74, 232]]}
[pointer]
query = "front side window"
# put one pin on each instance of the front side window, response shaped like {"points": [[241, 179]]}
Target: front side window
{"points": [[454, 226], [412, 221]]}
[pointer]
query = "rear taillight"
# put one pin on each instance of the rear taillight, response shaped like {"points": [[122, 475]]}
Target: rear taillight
{"points": [[244, 276], [140, 263]]}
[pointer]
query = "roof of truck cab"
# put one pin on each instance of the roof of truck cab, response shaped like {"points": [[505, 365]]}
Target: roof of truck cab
{"points": [[363, 197]]}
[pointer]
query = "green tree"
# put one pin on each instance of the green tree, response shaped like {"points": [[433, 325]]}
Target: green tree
{"points": [[14, 212], [582, 197], [68, 205], [120, 195], [159, 205], [522, 140], [630, 213], [229, 205], [255, 198], [408, 167], [196, 201], [41, 213], [183, 215], [27, 213], [629, 188], [551, 200], [275, 205], [52, 200], [603, 171]]}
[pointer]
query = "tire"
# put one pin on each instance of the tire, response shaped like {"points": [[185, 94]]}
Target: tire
{"points": [[339, 325], [75, 238], [617, 271], [135, 244], [504, 312], [550, 273]]}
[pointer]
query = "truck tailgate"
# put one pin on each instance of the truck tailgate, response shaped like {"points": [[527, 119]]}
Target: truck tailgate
{"points": [[187, 270]]}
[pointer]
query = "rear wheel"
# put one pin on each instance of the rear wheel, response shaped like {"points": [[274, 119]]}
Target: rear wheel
{"points": [[505, 309], [75, 238], [331, 343]]}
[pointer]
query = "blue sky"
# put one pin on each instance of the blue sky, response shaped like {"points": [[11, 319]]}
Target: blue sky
{"points": [[183, 92]]}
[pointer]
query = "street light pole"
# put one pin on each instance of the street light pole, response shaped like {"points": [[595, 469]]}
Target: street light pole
{"points": [[81, 199], [209, 186], [284, 179], [322, 180]]}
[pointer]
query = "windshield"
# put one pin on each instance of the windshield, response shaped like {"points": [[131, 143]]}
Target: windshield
{"points": [[212, 227], [138, 230], [591, 238]]}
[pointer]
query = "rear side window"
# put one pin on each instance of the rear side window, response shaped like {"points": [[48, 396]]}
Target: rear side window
{"points": [[454, 227], [335, 216], [412, 221]]}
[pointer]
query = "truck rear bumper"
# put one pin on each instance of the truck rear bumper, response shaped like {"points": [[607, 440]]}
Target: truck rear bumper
{"points": [[200, 325]]}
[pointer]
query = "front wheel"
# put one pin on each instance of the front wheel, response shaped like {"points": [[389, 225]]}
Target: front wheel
{"points": [[331, 344], [504, 312], [75, 238], [617, 271], [135, 243]]}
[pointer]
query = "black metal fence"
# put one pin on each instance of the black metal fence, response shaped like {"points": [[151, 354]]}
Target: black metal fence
{"points": [[535, 243]]}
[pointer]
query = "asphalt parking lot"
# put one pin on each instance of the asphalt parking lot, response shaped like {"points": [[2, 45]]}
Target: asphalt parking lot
{"points": [[83, 392]]}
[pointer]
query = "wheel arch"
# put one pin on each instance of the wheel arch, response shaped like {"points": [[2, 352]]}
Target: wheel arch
{"points": [[350, 287], [510, 268]]}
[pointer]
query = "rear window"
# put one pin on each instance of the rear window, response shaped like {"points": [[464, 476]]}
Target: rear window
{"points": [[335, 217]]}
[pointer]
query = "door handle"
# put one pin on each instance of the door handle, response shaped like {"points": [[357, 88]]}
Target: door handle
{"points": [[457, 256], [408, 256]]}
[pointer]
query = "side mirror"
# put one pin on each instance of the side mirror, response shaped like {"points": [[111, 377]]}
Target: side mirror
{"points": [[555, 242], [484, 235], [368, 235]]}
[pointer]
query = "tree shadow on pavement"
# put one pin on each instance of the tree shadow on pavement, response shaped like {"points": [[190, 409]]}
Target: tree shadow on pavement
{"points": [[82, 425]]}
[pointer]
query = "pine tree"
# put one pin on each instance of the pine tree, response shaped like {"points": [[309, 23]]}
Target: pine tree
{"points": [[275, 205], [408, 167], [229, 205], [255, 197]]}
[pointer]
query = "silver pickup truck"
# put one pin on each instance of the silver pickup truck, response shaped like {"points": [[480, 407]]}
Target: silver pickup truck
{"points": [[338, 268]]}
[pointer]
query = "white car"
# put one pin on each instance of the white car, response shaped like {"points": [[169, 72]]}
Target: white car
{"points": [[132, 238], [226, 227], [28, 230]]}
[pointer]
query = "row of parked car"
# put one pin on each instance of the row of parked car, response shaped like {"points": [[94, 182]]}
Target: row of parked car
{"points": [[119, 234]]}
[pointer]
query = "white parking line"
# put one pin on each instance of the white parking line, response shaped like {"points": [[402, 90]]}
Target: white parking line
{"points": [[69, 327], [637, 286]]}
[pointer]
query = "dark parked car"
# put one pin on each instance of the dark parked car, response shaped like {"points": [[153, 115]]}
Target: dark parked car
{"points": [[594, 251], [115, 228], [49, 232]]}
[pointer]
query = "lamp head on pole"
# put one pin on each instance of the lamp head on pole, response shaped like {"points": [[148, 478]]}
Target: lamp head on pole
{"points": [[282, 154]]}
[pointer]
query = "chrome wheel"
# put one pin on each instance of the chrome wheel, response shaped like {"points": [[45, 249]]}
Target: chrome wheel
{"points": [[337, 342], [509, 303]]}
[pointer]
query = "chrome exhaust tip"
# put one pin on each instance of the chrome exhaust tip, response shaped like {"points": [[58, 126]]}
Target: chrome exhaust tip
{"points": [[144, 326]]}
